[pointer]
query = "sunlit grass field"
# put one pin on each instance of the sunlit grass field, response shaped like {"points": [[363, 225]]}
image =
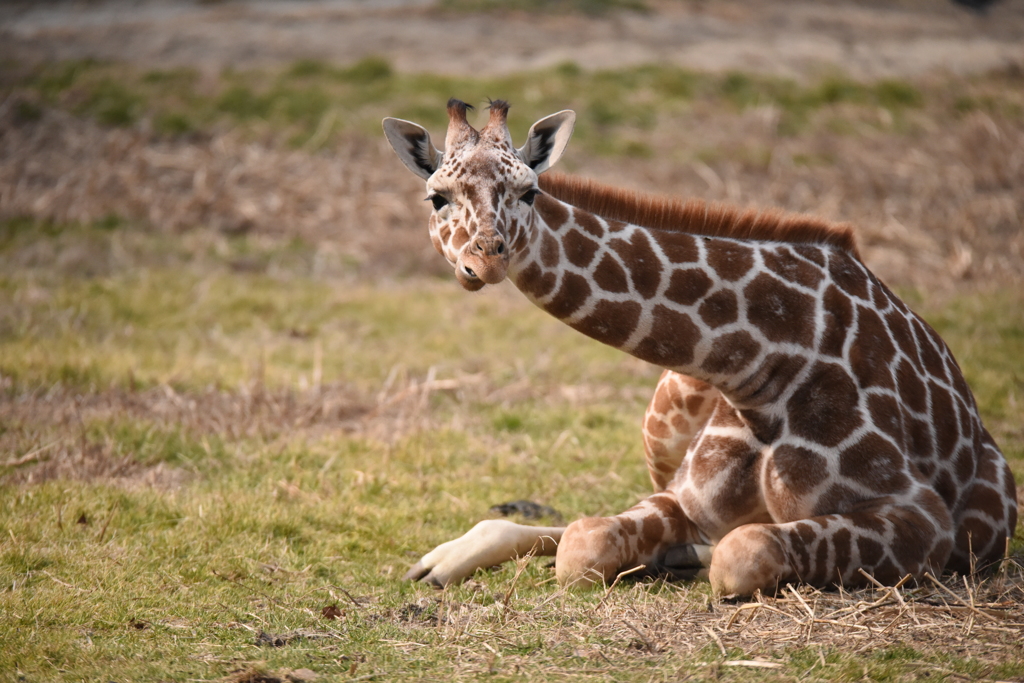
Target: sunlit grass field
{"points": [[312, 104], [217, 459], [457, 402]]}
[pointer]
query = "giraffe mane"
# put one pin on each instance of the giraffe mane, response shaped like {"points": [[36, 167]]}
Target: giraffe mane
{"points": [[696, 216]]}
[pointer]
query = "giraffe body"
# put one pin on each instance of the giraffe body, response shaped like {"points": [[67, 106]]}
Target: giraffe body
{"points": [[808, 425]]}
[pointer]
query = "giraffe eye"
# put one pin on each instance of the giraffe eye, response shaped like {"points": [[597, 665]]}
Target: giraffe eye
{"points": [[529, 196], [438, 201]]}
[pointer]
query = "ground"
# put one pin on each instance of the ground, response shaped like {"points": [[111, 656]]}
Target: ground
{"points": [[240, 392]]}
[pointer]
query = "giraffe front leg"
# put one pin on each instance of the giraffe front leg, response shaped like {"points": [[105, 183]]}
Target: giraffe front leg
{"points": [[655, 534], [677, 412], [489, 543], [885, 538]]}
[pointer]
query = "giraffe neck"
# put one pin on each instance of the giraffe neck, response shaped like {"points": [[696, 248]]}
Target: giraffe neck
{"points": [[740, 315]]}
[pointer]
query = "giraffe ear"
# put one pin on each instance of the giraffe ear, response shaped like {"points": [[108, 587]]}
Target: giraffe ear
{"points": [[547, 140], [412, 144]]}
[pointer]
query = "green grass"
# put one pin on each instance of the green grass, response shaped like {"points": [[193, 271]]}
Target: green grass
{"points": [[310, 471], [114, 579], [312, 104]]}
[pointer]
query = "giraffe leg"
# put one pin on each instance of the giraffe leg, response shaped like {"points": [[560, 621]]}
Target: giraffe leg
{"points": [[654, 533], [886, 538], [678, 410], [989, 516], [487, 544]]}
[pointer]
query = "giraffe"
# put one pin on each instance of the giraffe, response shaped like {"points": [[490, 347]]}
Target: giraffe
{"points": [[807, 427]]}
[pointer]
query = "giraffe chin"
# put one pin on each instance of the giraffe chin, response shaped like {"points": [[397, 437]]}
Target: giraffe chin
{"points": [[470, 284]]}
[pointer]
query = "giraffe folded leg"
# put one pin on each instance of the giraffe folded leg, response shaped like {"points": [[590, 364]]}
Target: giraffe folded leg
{"points": [[989, 516], [885, 538], [487, 544], [593, 550]]}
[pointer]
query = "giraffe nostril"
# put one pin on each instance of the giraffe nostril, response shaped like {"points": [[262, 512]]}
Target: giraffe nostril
{"points": [[501, 248]]}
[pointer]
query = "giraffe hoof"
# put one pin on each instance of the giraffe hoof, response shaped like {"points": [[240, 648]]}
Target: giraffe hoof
{"points": [[423, 574], [416, 572]]}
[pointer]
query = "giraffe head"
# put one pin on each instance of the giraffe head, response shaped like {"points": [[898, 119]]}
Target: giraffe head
{"points": [[481, 187]]}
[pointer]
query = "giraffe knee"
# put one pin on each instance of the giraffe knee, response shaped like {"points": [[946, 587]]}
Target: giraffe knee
{"points": [[749, 558], [587, 554]]}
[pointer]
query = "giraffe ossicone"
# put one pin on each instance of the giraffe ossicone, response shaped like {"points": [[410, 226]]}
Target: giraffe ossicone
{"points": [[807, 424]]}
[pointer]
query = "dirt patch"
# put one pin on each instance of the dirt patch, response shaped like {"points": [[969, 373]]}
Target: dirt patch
{"points": [[61, 434]]}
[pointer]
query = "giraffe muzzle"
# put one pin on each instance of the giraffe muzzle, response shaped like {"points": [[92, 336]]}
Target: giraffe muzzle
{"points": [[474, 271], [484, 261]]}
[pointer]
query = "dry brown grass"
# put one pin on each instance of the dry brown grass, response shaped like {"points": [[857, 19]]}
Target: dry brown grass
{"points": [[49, 430], [935, 204], [932, 627], [353, 200]]}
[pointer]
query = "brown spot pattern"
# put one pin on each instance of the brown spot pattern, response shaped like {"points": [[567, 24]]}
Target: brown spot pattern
{"points": [[783, 314], [837, 498], [588, 222], [824, 408], [670, 342], [731, 260], [640, 260], [933, 364], [686, 287], [944, 420], [721, 308], [552, 211], [769, 379], [886, 415], [872, 351], [785, 265], [731, 352], [876, 464], [870, 550], [535, 282], [912, 390], [611, 322], [798, 468], [847, 274], [678, 247], [899, 329], [550, 254], [610, 276], [812, 254], [579, 249], [570, 296], [838, 318]]}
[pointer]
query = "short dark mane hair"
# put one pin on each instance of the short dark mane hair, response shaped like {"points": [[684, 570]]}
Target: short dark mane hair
{"points": [[696, 215]]}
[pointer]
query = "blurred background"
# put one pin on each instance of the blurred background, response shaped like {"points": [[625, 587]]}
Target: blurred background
{"points": [[255, 118]]}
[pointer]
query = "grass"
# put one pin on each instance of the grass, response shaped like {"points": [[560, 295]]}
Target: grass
{"points": [[312, 104], [203, 455], [206, 439]]}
